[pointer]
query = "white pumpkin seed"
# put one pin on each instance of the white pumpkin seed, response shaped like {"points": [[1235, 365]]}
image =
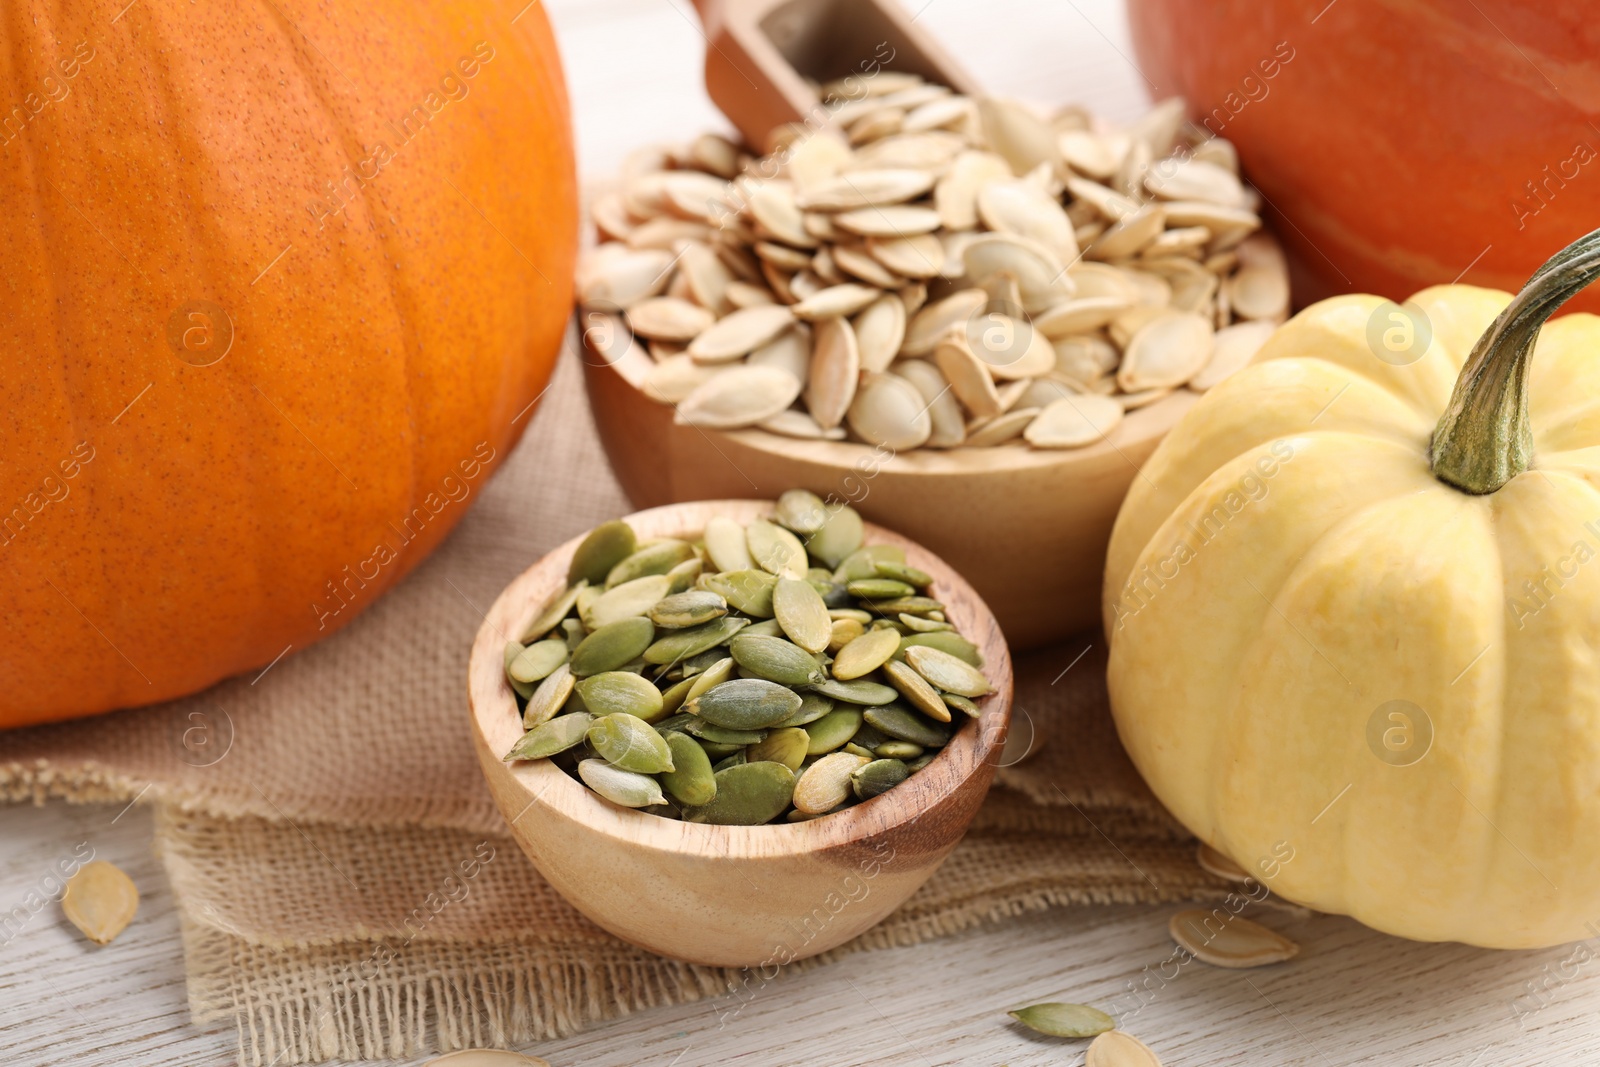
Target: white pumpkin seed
{"points": [[898, 220], [1260, 292], [888, 410], [947, 427], [772, 205], [1228, 940], [740, 333], [835, 369], [739, 396], [1166, 352], [1216, 863], [1195, 179], [668, 318], [834, 301], [955, 197], [969, 376], [675, 378], [1018, 134], [880, 329], [100, 900], [916, 256], [1233, 347], [789, 351], [1114, 1048], [934, 321], [1073, 422], [614, 275], [1004, 427], [866, 188], [800, 425], [858, 261], [1021, 207]]}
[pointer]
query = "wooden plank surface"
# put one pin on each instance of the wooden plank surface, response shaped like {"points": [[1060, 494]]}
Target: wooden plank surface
{"points": [[1353, 996]]}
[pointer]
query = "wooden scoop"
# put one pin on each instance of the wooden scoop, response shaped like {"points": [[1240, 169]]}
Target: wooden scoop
{"points": [[759, 54]]}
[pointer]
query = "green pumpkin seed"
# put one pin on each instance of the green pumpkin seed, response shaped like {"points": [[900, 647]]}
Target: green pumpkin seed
{"points": [[832, 730], [826, 783], [537, 661], [672, 698], [921, 761], [689, 608], [625, 601], [745, 704], [863, 562], [963, 705], [775, 550], [622, 692], [878, 777], [843, 632], [920, 625], [801, 511], [901, 750], [911, 605], [715, 674], [777, 660], [813, 706], [1064, 1020], [574, 633], [868, 737], [700, 662], [865, 654], [901, 722], [619, 786], [549, 698], [856, 691], [684, 575], [681, 644], [677, 721], [879, 589], [787, 746], [549, 738], [944, 671], [574, 701], [612, 646], [918, 693], [954, 644], [657, 558], [764, 628], [725, 544], [723, 735], [904, 572], [606, 546], [749, 591], [512, 651], [859, 750], [802, 614], [732, 759], [691, 780], [853, 614], [747, 795], [558, 608], [629, 742], [819, 577], [717, 750], [840, 535]]}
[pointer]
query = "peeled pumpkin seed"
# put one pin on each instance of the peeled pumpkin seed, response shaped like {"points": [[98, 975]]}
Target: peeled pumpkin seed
{"points": [[786, 746], [801, 613], [843, 632], [954, 644], [856, 690], [775, 550], [611, 646], [652, 559], [725, 544], [691, 641], [552, 737], [906, 725], [713, 735], [548, 697], [622, 787], [832, 730], [100, 900], [715, 674], [689, 608], [1236, 942], [947, 672], [826, 783], [865, 654], [691, 780], [747, 795], [840, 535], [558, 608], [777, 660], [626, 600], [537, 661], [877, 777], [629, 742], [801, 511], [916, 689], [1064, 1020], [765, 628], [961, 704], [745, 704], [1117, 1049], [900, 750], [749, 591], [621, 692], [879, 588], [601, 549]]}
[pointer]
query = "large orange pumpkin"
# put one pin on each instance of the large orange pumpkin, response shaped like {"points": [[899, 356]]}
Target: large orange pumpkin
{"points": [[1407, 143], [281, 283]]}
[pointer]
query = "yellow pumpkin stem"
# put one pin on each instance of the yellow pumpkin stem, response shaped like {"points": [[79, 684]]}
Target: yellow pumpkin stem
{"points": [[1484, 439]]}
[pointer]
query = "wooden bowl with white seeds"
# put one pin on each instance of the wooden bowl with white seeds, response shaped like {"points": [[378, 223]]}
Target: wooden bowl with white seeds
{"points": [[733, 895], [971, 320]]}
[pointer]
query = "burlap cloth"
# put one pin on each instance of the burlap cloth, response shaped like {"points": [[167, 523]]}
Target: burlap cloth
{"points": [[345, 884]]}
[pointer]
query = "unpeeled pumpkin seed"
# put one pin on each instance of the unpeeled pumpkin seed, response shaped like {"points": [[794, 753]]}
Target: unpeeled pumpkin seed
{"points": [[1114, 1048], [100, 900], [552, 737], [621, 691], [627, 788], [747, 795], [1231, 941], [691, 780], [1064, 1020]]}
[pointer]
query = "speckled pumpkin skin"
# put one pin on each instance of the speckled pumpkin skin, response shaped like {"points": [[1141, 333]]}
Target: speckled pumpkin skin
{"points": [[281, 282]]}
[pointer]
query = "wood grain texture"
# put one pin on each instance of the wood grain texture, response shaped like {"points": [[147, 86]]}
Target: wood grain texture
{"points": [[1027, 527], [739, 896]]}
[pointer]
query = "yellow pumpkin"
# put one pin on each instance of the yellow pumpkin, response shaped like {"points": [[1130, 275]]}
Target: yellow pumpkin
{"points": [[1353, 605]]}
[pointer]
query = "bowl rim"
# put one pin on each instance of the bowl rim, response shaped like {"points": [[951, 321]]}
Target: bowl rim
{"points": [[547, 787], [1138, 427]]}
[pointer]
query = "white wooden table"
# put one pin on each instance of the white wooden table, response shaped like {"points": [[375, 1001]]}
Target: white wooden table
{"points": [[1352, 997]]}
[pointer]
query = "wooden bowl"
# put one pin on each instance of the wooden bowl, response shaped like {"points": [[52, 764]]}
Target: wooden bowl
{"points": [[734, 896], [1028, 528]]}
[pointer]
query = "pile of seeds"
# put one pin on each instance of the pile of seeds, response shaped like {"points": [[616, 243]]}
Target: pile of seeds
{"points": [[780, 669], [931, 270]]}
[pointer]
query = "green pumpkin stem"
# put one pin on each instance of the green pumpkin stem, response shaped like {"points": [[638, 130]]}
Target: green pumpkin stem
{"points": [[1484, 438]]}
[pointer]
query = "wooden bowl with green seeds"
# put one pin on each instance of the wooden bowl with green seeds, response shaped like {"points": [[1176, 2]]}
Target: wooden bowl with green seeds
{"points": [[675, 877]]}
